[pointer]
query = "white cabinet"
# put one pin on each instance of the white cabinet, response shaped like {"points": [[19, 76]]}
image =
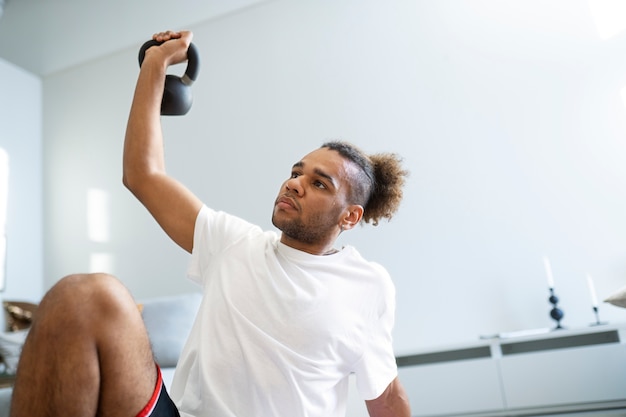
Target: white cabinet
{"points": [[566, 376], [454, 387], [560, 373]]}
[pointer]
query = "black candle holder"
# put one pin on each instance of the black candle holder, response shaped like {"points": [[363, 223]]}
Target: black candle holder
{"points": [[556, 313], [598, 322]]}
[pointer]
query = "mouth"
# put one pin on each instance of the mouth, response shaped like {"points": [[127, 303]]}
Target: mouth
{"points": [[286, 203]]}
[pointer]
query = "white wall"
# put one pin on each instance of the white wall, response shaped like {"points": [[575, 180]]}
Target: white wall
{"points": [[20, 136], [508, 114]]}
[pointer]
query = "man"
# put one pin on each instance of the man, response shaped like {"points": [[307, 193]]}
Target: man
{"points": [[285, 318]]}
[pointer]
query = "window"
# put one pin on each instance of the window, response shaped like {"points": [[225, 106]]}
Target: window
{"points": [[4, 195]]}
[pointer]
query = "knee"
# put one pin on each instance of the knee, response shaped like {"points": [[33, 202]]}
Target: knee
{"points": [[83, 296], [86, 283], [94, 287]]}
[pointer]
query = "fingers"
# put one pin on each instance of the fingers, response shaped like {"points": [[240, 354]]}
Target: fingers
{"points": [[173, 52], [169, 34], [165, 36]]}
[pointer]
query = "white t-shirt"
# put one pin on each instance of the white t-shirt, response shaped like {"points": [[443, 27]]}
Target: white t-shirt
{"points": [[279, 330]]}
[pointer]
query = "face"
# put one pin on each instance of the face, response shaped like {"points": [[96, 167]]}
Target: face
{"points": [[312, 203]]}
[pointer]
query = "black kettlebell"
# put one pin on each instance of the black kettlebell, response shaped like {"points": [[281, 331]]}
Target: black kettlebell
{"points": [[177, 97]]}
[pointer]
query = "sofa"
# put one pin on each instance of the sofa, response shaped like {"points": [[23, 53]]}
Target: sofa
{"points": [[168, 320]]}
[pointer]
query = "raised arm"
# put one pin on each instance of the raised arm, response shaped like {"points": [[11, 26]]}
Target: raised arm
{"points": [[172, 205], [393, 402]]}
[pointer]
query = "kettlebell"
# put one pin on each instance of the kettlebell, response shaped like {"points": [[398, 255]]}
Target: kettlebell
{"points": [[177, 97]]}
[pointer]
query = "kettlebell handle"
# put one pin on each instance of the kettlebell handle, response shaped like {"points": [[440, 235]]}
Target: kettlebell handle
{"points": [[193, 60], [177, 98]]}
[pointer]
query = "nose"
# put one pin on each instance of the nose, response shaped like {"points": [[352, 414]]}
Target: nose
{"points": [[293, 185]]}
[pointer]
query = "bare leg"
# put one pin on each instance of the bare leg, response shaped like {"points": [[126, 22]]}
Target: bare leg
{"points": [[87, 353]]}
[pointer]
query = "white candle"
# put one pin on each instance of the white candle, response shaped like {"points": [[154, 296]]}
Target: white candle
{"points": [[546, 263], [592, 291]]}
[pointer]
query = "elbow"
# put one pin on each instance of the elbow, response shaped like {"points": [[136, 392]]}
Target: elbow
{"points": [[126, 174], [126, 181], [132, 182], [134, 175]]}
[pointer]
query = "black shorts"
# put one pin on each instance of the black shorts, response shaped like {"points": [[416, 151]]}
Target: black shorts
{"points": [[160, 404]]}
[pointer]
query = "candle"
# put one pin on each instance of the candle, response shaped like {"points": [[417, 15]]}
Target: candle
{"points": [[592, 291], [546, 263]]}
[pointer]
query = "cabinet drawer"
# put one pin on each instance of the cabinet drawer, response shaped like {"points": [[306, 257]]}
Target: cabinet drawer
{"points": [[456, 387], [541, 375]]}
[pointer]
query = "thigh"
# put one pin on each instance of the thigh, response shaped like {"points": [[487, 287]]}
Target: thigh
{"points": [[128, 371], [87, 353]]}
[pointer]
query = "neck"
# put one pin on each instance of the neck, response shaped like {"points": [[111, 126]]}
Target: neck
{"points": [[320, 249]]}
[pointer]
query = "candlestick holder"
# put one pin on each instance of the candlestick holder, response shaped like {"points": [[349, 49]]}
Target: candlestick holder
{"points": [[598, 322], [556, 313]]}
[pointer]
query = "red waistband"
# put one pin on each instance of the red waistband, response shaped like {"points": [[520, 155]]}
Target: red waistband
{"points": [[147, 410]]}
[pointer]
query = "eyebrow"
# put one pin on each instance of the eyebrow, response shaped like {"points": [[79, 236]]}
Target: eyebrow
{"points": [[317, 172]]}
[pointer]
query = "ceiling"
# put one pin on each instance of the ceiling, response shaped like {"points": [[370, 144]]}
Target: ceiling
{"points": [[47, 36]]}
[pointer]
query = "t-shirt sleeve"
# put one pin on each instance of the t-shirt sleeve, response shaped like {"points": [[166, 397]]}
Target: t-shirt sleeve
{"points": [[214, 231], [377, 367], [200, 240]]}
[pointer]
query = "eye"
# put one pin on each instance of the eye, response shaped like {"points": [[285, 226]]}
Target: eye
{"points": [[294, 174], [319, 184]]}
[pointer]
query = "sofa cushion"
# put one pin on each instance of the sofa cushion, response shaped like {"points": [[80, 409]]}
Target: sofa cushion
{"points": [[18, 315], [10, 349], [5, 401], [168, 321]]}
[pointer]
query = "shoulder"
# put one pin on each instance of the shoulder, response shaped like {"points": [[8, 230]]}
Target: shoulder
{"points": [[216, 231], [353, 258], [215, 219], [369, 274]]}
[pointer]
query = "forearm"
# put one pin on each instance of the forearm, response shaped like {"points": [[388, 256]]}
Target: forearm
{"points": [[143, 144], [393, 402]]}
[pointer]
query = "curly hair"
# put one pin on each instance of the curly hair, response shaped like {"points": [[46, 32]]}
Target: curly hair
{"points": [[378, 187]]}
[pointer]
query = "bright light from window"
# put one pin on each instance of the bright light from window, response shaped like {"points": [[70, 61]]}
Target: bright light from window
{"points": [[4, 189], [98, 216], [101, 262], [4, 196], [609, 17]]}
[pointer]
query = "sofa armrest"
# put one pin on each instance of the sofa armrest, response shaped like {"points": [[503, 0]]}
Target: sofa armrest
{"points": [[168, 321]]}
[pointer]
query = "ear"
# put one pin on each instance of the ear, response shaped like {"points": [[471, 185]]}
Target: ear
{"points": [[352, 217]]}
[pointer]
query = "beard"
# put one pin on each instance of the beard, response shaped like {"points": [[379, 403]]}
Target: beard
{"points": [[316, 230]]}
